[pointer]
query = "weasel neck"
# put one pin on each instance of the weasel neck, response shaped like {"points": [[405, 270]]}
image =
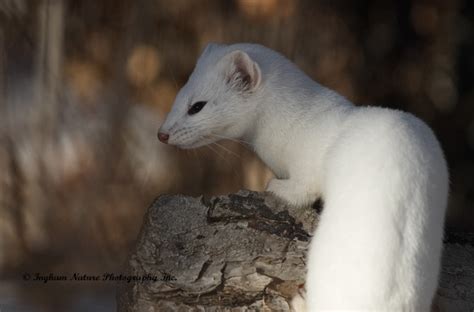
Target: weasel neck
{"points": [[287, 116]]}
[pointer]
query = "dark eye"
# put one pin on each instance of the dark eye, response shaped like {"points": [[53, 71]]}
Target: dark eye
{"points": [[196, 107]]}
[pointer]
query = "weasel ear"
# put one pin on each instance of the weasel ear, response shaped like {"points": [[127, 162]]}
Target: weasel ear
{"points": [[242, 72]]}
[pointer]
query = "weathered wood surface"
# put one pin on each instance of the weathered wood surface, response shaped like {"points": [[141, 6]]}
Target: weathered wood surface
{"points": [[245, 252], [456, 288]]}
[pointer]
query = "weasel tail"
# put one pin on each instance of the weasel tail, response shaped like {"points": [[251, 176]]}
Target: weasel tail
{"points": [[381, 173], [378, 245]]}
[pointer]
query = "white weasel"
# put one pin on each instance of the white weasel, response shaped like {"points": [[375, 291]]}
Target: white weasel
{"points": [[381, 173]]}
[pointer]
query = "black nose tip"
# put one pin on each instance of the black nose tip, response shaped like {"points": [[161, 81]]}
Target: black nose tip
{"points": [[163, 137]]}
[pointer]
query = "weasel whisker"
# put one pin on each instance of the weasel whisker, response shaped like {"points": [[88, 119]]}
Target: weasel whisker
{"points": [[227, 150], [242, 142]]}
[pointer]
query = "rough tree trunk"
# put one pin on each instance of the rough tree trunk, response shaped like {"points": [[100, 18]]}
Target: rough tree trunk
{"points": [[244, 252]]}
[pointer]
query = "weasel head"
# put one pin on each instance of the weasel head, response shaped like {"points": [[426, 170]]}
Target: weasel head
{"points": [[217, 102]]}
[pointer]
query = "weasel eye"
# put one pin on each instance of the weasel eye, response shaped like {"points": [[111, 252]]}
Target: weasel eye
{"points": [[196, 107]]}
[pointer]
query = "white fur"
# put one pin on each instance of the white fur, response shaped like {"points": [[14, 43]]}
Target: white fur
{"points": [[381, 173]]}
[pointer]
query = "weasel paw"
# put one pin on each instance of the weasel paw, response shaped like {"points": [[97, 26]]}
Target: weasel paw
{"points": [[298, 303], [289, 192]]}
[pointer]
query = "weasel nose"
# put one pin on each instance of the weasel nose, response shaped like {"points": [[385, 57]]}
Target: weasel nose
{"points": [[163, 137]]}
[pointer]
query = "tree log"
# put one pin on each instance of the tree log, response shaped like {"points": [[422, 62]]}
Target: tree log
{"points": [[245, 252]]}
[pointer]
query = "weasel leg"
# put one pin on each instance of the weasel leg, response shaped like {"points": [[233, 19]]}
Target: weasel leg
{"points": [[292, 191]]}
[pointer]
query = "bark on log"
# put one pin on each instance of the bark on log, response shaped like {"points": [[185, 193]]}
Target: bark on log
{"points": [[244, 252]]}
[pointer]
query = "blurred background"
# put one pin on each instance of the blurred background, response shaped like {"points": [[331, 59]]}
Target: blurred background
{"points": [[84, 86]]}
